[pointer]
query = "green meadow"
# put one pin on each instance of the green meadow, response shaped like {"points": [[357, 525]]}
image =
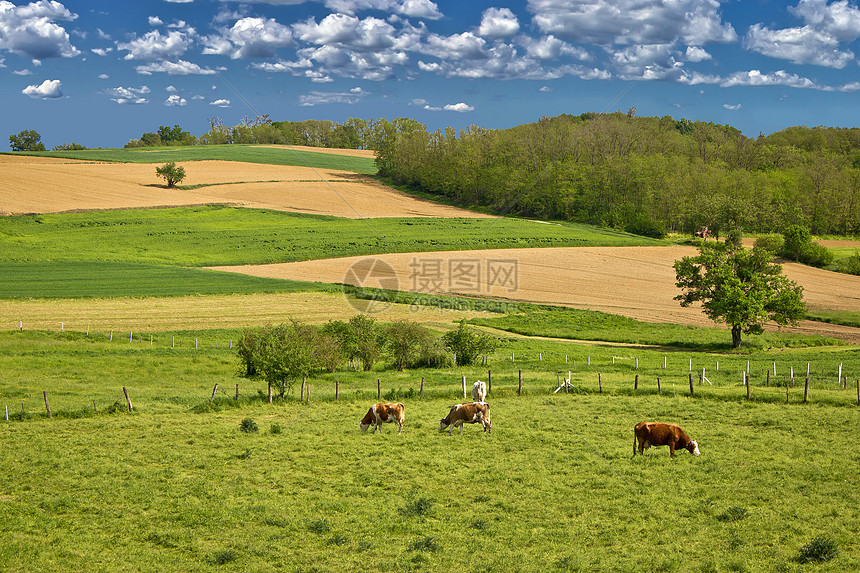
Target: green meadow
{"points": [[246, 153], [178, 485], [203, 474], [219, 235]]}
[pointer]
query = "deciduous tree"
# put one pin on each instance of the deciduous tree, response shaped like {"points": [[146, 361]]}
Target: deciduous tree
{"points": [[742, 288], [171, 174]]}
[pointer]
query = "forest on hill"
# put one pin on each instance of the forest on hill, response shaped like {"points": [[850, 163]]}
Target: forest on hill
{"points": [[647, 175]]}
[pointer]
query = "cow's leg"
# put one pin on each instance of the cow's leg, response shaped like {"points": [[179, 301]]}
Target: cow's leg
{"points": [[671, 449], [399, 427]]}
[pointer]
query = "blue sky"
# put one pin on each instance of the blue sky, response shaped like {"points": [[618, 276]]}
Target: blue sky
{"points": [[102, 72]]}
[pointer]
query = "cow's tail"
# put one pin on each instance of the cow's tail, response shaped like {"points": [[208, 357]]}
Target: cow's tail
{"points": [[634, 442]]}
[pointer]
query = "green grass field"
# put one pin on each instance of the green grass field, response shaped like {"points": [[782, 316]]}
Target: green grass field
{"points": [[247, 153], [177, 485], [218, 235]]}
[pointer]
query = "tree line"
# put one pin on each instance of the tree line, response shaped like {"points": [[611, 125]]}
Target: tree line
{"points": [[283, 354], [647, 175]]}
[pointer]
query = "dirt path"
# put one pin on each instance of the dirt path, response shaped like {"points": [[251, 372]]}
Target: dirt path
{"points": [[638, 282], [49, 185]]}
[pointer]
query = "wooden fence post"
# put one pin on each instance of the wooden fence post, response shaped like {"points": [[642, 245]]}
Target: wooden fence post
{"points": [[636, 383], [747, 384], [691, 383], [489, 381], [464, 386], [270, 393], [806, 391], [786, 391], [336, 390], [47, 406], [308, 394], [520, 389], [237, 391], [302, 394], [422, 387], [214, 390], [599, 383], [659, 391], [378, 389], [767, 380], [127, 399]]}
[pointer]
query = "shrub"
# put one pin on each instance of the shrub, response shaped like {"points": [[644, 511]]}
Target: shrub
{"points": [[467, 344], [248, 426], [795, 238], [734, 238], [275, 428], [816, 255], [818, 550], [851, 265], [771, 243]]}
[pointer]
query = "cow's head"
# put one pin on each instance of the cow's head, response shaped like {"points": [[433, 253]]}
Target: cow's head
{"points": [[363, 427], [443, 423], [693, 447]]}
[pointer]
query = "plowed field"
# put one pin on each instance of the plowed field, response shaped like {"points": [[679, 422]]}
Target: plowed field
{"points": [[637, 282]]}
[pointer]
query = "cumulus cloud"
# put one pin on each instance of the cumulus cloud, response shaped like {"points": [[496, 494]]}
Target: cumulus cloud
{"points": [[155, 21], [347, 31], [250, 38], [459, 107], [411, 8], [838, 19], [177, 68], [156, 46], [175, 100], [780, 78], [220, 103], [632, 21], [498, 23], [697, 54], [49, 89], [31, 30], [128, 96], [799, 45]]}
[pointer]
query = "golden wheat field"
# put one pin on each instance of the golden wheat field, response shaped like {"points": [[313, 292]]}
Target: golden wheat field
{"points": [[637, 282], [59, 185]]}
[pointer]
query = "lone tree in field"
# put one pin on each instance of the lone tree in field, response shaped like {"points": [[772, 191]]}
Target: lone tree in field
{"points": [[171, 173], [27, 140], [743, 288]]}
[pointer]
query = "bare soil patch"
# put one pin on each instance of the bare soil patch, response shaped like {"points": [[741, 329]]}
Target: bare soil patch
{"points": [[637, 282], [40, 185]]}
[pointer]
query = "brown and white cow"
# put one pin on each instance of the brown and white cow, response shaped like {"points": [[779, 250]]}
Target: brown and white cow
{"points": [[467, 414], [479, 391], [648, 434], [383, 413]]}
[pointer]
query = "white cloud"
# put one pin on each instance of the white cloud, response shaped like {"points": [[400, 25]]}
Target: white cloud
{"points": [[177, 68], [733, 107], [697, 54], [30, 30], [175, 100], [250, 38], [24, 72], [155, 46], [551, 48], [347, 31], [49, 89], [104, 77], [837, 19], [498, 23], [102, 51], [459, 107], [323, 98], [155, 21], [220, 103], [607, 22], [545, 89], [410, 8], [129, 96], [780, 78], [799, 45]]}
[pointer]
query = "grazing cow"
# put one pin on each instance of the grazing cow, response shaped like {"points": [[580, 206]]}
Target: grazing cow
{"points": [[467, 414], [649, 434], [479, 391], [380, 414]]}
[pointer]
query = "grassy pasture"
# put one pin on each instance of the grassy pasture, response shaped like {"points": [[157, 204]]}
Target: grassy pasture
{"points": [[177, 486], [217, 235], [246, 153], [105, 280]]}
